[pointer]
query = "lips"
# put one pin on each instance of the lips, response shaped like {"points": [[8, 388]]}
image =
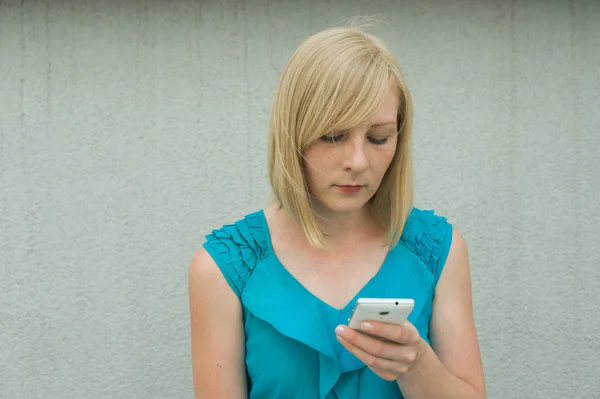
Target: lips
{"points": [[349, 189]]}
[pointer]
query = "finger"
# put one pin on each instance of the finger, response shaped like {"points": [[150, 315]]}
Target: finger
{"points": [[405, 334], [371, 345], [385, 368]]}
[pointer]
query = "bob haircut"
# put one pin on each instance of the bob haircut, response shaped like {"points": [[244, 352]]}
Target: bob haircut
{"points": [[336, 80]]}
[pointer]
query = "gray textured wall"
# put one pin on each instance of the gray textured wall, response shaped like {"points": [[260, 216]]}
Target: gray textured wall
{"points": [[128, 129]]}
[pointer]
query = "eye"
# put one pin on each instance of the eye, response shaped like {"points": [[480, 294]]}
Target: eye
{"points": [[332, 137], [378, 141]]}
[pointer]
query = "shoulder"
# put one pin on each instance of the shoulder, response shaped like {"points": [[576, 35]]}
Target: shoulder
{"points": [[204, 275], [429, 236], [236, 248], [457, 262]]}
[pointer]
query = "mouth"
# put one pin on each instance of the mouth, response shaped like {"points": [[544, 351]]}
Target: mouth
{"points": [[349, 189]]}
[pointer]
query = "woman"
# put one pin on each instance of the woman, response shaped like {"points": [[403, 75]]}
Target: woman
{"points": [[270, 295]]}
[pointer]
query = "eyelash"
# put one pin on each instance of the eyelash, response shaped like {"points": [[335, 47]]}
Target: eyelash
{"points": [[339, 137]]}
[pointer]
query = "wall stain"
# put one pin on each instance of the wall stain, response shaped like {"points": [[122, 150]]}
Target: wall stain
{"points": [[49, 68], [22, 131], [197, 37], [270, 38], [247, 125], [1, 131]]}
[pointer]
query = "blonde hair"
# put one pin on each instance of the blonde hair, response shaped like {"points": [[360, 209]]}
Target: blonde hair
{"points": [[336, 80]]}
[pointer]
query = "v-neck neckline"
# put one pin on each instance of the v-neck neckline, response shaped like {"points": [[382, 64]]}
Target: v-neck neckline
{"points": [[348, 306]]}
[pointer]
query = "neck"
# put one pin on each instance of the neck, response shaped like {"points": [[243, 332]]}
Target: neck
{"points": [[347, 230], [341, 226], [343, 230]]}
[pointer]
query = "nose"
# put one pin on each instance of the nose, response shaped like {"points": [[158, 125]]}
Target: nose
{"points": [[356, 160]]}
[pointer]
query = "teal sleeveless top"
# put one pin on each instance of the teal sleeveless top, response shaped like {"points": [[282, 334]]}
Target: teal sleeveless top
{"points": [[291, 347]]}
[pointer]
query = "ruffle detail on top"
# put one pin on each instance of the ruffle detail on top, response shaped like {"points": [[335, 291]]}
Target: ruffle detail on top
{"points": [[237, 248], [428, 236]]}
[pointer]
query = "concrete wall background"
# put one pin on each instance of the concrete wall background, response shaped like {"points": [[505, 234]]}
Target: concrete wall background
{"points": [[129, 129]]}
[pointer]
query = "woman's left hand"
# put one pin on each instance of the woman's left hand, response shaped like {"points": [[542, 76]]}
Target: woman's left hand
{"points": [[390, 350]]}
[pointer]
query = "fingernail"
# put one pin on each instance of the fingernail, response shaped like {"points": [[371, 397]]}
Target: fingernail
{"points": [[340, 329], [366, 326]]}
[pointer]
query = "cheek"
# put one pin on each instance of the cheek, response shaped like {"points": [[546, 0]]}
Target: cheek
{"points": [[383, 160]]}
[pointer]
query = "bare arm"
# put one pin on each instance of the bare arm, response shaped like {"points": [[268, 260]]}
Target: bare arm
{"points": [[217, 333], [454, 370]]}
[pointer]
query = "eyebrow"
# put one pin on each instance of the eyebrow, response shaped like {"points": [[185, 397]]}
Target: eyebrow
{"points": [[382, 124]]}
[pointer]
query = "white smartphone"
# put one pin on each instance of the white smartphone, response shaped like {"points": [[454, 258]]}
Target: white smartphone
{"points": [[380, 309]]}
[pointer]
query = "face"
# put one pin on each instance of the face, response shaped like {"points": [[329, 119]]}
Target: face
{"points": [[345, 168]]}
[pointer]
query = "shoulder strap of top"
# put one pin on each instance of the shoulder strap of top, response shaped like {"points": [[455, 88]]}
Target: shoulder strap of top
{"points": [[237, 248], [429, 237]]}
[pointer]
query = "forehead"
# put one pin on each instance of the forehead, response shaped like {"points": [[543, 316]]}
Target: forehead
{"points": [[387, 113]]}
